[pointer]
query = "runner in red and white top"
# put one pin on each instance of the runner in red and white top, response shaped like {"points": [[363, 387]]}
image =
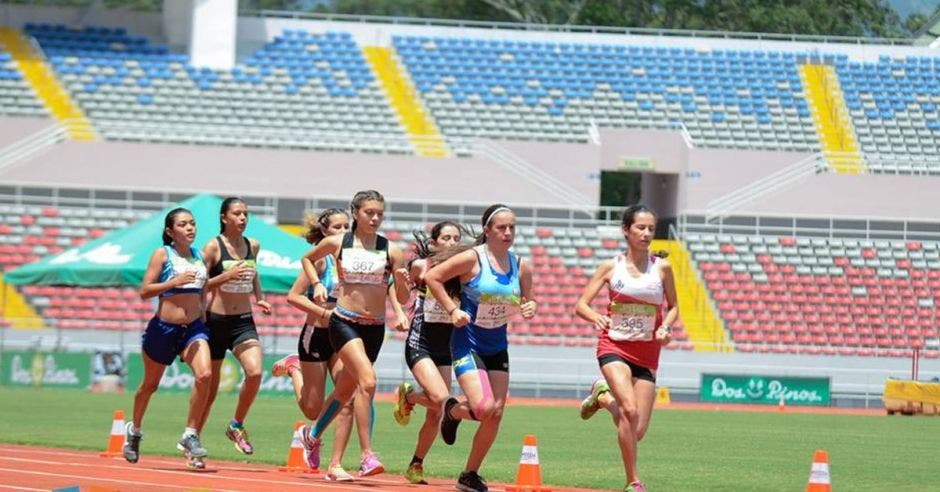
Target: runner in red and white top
{"points": [[632, 333]]}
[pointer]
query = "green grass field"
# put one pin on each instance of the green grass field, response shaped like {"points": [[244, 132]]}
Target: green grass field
{"points": [[684, 450]]}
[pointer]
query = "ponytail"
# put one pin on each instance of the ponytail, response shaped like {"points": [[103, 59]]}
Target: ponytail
{"points": [[317, 224]]}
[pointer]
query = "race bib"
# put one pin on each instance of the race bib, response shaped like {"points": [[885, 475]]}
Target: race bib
{"points": [[495, 310], [362, 266], [181, 265], [239, 286], [433, 311], [632, 322]]}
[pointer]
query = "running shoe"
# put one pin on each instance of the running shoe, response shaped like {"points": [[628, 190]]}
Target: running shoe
{"points": [[196, 463], [311, 447], [590, 405], [469, 481], [284, 366], [239, 436], [370, 465], [131, 443], [402, 409], [336, 473], [635, 487], [192, 447], [415, 474], [448, 423]]}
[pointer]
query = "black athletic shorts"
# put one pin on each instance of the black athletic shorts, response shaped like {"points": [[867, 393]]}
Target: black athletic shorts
{"points": [[414, 354], [343, 330], [314, 344], [227, 331], [473, 361], [638, 372]]}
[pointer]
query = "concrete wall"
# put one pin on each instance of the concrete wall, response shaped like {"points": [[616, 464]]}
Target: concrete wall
{"points": [[713, 173], [573, 163], [903, 197], [14, 129], [272, 172]]}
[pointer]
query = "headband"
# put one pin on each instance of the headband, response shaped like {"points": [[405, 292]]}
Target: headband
{"points": [[498, 210]]}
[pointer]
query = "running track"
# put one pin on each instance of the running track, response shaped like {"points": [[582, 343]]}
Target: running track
{"points": [[31, 468]]}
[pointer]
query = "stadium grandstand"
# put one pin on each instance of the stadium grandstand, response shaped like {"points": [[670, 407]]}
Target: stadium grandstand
{"points": [[795, 176]]}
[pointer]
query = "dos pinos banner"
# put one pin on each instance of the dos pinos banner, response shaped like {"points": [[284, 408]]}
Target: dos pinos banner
{"points": [[765, 390]]}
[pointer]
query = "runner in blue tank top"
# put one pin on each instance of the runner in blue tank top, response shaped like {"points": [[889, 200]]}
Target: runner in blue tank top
{"points": [[176, 275], [494, 285]]}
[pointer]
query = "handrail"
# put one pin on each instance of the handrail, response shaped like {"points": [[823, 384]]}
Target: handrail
{"points": [[572, 28], [32, 145], [686, 135], [532, 173], [803, 168], [820, 226]]}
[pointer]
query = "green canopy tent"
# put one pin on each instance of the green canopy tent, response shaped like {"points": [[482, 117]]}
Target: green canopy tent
{"points": [[120, 257]]}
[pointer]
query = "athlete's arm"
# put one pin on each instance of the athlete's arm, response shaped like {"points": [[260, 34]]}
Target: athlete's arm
{"points": [[418, 269], [297, 297], [211, 256], [402, 277], [459, 265], [260, 299], [150, 287], [528, 306], [583, 307], [325, 247], [401, 319], [672, 306]]}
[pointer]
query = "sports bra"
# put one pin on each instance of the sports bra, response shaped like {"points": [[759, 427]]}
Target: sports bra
{"points": [[176, 265], [227, 262]]}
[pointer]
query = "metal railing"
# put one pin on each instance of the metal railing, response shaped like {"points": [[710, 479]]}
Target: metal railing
{"points": [[269, 208], [531, 173], [32, 145], [572, 28], [774, 182], [802, 225]]}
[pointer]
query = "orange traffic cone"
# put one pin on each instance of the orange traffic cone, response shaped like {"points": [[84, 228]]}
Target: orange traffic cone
{"points": [[819, 480], [116, 439], [529, 476], [295, 457], [782, 404]]}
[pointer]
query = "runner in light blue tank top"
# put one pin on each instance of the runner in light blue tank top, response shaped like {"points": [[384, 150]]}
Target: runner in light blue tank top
{"points": [[495, 286], [500, 298]]}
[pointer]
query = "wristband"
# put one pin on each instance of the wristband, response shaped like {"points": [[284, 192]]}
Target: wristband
{"points": [[451, 312]]}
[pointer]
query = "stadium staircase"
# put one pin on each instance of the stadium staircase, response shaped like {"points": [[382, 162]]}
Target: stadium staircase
{"points": [[422, 131], [831, 115], [704, 328], [40, 76]]}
